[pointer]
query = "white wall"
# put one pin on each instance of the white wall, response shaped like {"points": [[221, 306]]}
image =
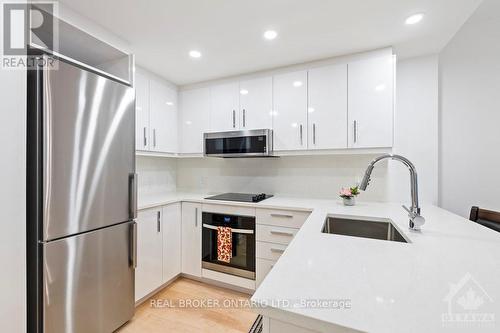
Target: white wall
{"points": [[416, 128], [306, 176], [12, 200], [470, 114]]}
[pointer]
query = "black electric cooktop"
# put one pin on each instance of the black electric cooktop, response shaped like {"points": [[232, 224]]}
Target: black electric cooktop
{"points": [[241, 197]]}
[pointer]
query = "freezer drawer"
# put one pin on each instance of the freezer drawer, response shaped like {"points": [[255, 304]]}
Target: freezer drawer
{"points": [[88, 151], [88, 281]]}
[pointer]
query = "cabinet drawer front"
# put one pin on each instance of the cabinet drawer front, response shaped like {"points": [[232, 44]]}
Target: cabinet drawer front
{"points": [[229, 209], [274, 234], [282, 218], [269, 251], [263, 267]]}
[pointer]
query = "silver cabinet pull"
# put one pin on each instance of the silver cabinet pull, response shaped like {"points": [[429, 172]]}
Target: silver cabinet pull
{"points": [[158, 221], [132, 187], [281, 233], [196, 217], [145, 138], [244, 118], [154, 137], [300, 129], [314, 134], [282, 215], [234, 119], [355, 131], [133, 245], [275, 249]]}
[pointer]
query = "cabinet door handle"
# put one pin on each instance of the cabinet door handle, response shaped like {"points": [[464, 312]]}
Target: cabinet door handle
{"points": [[145, 138], [154, 137], [355, 131], [300, 129], [244, 118], [132, 187], [196, 217], [275, 249], [158, 221], [314, 134], [234, 119], [282, 215], [281, 233], [133, 245]]}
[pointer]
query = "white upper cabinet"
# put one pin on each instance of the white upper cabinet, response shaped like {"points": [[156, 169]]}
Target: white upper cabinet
{"points": [[371, 86], [163, 117], [224, 107], [141, 111], [290, 111], [256, 102], [194, 120], [156, 114], [327, 107]]}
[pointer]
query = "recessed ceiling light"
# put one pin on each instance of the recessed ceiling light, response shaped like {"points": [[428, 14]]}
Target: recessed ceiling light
{"points": [[194, 54], [270, 34], [297, 84], [414, 18], [310, 110], [380, 87], [244, 92], [169, 103]]}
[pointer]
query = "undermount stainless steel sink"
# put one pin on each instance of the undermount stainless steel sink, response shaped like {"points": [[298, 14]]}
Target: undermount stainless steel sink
{"points": [[382, 229]]}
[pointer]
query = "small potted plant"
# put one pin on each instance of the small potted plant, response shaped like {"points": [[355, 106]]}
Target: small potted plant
{"points": [[349, 194]]}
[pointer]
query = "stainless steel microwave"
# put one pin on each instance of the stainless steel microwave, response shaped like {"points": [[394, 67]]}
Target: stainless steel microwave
{"points": [[246, 143]]}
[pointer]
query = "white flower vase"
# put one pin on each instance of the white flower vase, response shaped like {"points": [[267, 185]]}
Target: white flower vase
{"points": [[349, 201]]}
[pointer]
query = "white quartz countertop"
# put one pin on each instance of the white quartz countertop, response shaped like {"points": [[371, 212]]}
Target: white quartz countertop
{"points": [[390, 286]]}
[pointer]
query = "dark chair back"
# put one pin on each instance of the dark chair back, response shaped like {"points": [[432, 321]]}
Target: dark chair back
{"points": [[487, 218]]}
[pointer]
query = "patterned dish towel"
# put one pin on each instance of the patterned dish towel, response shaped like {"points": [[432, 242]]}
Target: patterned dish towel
{"points": [[224, 244]]}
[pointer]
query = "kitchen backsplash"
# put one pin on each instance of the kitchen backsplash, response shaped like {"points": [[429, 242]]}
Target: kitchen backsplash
{"points": [[306, 176], [156, 175]]}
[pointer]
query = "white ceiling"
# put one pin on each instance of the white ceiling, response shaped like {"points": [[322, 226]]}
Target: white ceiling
{"points": [[229, 32]]}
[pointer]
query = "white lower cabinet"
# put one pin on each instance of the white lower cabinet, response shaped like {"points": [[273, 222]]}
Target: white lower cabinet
{"points": [[158, 248], [191, 238], [276, 326], [262, 268], [171, 222], [148, 274]]}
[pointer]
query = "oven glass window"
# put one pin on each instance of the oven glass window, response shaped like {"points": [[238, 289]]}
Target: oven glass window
{"points": [[236, 145], [242, 262]]}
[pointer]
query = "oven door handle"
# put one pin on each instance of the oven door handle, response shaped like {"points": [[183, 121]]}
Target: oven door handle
{"points": [[234, 231]]}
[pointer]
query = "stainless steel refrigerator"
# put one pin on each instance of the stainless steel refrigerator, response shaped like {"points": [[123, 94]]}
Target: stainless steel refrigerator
{"points": [[81, 202]]}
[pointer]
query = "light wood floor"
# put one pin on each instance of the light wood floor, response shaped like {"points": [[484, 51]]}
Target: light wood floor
{"points": [[150, 319]]}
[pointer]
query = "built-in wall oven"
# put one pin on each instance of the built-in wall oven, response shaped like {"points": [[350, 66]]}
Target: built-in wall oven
{"points": [[242, 262]]}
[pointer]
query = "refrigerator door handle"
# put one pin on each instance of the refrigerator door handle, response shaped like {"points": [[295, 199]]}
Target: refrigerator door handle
{"points": [[133, 245], [133, 195]]}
